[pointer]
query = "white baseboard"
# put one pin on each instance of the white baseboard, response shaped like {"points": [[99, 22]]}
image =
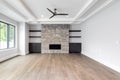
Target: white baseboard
{"points": [[8, 57], [23, 53], [117, 69]]}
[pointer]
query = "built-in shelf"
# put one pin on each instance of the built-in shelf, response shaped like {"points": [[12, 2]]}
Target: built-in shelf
{"points": [[40, 36], [34, 30], [73, 47], [74, 30], [40, 30], [34, 36], [74, 36]]}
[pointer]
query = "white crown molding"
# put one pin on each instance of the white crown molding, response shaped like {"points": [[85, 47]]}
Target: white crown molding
{"points": [[52, 21], [74, 20], [86, 7], [27, 8], [23, 6], [98, 9], [13, 9], [83, 11], [55, 22]]}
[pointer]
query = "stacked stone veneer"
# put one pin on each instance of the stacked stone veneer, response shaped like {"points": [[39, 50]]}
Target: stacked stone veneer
{"points": [[55, 34]]}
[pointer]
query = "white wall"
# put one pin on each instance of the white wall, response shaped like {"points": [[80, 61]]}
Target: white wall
{"points": [[101, 36], [7, 53], [26, 38], [23, 38]]}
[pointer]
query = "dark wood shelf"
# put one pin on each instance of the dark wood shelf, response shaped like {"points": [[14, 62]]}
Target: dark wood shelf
{"points": [[34, 30], [74, 36], [40, 30], [34, 36], [40, 36], [74, 30]]}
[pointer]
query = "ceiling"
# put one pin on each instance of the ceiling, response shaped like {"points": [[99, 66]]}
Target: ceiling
{"points": [[34, 11]]}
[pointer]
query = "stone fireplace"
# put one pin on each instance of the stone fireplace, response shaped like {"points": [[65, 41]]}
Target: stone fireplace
{"points": [[55, 38]]}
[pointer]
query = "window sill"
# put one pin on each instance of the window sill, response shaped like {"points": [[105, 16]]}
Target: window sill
{"points": [[9, 49]]}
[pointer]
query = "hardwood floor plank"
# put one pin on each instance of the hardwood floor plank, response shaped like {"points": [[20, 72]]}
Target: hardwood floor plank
{"points": [[55, 67]]}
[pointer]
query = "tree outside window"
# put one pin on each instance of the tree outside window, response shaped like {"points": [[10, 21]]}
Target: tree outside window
{"points": [[7, 36]]}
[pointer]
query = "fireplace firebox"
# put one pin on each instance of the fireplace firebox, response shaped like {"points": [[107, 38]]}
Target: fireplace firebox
{"points": [[54, 46]]}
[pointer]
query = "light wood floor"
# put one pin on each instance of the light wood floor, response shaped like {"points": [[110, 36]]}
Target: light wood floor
{"points": [[55, 67]]}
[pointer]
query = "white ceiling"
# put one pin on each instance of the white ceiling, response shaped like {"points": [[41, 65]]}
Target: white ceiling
{"points": [[34, 11]]}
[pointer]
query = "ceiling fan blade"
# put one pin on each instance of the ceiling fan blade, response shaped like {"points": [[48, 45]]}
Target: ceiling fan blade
{"points": [[50, 11], [62, 14], [52, 16]]}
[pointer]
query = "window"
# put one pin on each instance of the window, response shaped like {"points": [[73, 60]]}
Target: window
{"points": [[7, 36], [3, 35], [11, 36]]}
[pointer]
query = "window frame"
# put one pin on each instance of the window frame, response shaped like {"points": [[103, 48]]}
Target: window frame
{"points": [[8, 38]]}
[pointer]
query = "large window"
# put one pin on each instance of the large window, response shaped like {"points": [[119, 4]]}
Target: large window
{"points": [[7, 36]]}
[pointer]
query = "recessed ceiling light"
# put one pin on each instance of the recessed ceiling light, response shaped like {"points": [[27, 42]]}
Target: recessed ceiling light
{"points": [[42, 16]]}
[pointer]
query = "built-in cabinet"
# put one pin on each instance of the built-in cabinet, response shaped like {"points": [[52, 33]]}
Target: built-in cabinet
{"points": [[35, 40]]}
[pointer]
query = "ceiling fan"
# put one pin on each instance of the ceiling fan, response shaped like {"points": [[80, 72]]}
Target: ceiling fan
{"points": [[55, 13]]}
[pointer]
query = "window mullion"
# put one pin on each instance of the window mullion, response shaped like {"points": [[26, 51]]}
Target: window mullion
{"points": [[14, 36], [8, 35]]}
